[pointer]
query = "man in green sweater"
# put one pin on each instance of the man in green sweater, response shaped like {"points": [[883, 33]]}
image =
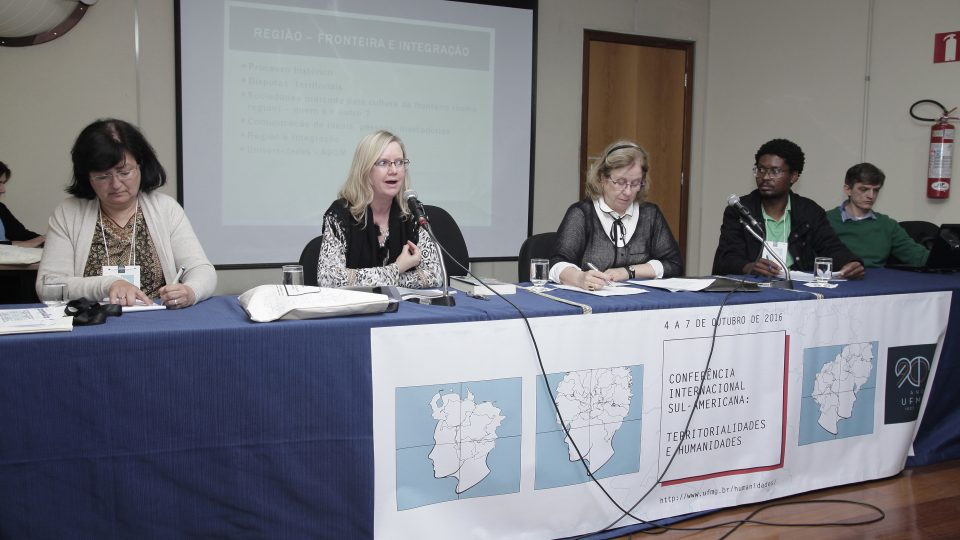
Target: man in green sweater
{"points": [[872, 236]]}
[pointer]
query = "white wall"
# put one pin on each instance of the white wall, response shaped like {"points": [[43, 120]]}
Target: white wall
{"points": [[798, 70], [764, 68]]}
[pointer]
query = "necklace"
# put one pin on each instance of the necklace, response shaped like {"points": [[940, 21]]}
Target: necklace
{"points": [[117, 221], [132, 257]]}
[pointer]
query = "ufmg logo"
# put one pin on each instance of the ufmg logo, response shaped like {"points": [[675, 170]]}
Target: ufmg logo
{"points": [[912, 371], [908, 370]]}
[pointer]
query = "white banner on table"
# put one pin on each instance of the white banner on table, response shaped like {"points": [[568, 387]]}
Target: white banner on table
{"points": [[797, 396]]}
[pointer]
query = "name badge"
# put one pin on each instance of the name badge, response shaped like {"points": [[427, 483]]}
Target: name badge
{"points": [[124, 272], [780, 248]]}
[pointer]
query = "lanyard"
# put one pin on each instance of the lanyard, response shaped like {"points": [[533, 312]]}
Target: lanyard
{"points": [[132, 257]]}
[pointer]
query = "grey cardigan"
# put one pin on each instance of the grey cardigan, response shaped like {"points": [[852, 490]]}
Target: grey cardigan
{"points": [[71, 231]]}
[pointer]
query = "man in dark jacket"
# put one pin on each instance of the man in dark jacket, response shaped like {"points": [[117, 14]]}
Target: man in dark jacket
{"points": [[795, 227]]}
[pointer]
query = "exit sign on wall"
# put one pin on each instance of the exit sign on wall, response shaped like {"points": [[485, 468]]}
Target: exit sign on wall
{"points": [[945, 47]]}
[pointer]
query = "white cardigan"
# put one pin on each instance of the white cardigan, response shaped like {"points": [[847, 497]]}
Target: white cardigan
{"points": [[71, 230]]}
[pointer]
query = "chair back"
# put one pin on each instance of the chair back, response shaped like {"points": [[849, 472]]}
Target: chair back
{"points": [[538, 246], [448, 233], [922, 232], [309, 258]]}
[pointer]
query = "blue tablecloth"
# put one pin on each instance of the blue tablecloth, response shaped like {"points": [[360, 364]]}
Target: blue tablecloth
{"points": [[199, 423]]}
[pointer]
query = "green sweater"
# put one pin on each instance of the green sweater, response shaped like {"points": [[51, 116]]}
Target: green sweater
{"points": [[876, 240]]}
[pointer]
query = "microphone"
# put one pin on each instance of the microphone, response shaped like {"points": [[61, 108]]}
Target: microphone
{"points": [[751, 226], [734, 201], [416, 206], [421, 215]]}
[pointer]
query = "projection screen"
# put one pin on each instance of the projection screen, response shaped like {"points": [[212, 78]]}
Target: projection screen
{"points": [[274, 95]]}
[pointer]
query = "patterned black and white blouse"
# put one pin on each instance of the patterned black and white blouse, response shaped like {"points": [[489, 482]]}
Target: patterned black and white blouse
{"points": [[351, 254]]}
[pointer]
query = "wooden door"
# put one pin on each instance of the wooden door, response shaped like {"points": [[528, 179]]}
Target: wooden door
{"points": [[641, 89]]}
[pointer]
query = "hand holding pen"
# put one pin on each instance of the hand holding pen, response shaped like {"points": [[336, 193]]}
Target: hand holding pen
{"points": [[593, 279], [177, 295]]}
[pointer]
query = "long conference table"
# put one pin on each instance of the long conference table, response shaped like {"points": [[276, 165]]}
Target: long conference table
{"points": [[201, 423]]}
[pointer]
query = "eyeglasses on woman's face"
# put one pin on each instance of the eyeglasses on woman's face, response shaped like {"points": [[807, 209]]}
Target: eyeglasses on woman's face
{"points": [[622, 184], [122, 173], [386, 163]]}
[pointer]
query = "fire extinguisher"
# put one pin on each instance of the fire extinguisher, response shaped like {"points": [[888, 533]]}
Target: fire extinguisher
{"points": [[940, 161]]}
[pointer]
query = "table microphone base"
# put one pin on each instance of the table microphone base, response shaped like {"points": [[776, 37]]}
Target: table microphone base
{"points": [[448, 301], [781, 284]]}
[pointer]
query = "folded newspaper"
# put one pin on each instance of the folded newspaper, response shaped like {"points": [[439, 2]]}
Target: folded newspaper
{"points": [[272, 302]]}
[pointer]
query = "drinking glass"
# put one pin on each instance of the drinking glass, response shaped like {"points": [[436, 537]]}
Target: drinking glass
{"points": [[292, 274], [54, 291], [823, 269], [539, 273]]}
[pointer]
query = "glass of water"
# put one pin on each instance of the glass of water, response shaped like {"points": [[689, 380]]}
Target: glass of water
{"points": [[292, 274], [823, 269], [539, 273], [54, 291]]}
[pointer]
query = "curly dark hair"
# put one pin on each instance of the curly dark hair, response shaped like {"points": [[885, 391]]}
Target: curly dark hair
{"points": [[785, 149], [101, 145]]}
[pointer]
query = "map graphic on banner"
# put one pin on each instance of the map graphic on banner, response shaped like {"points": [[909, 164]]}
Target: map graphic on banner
{"points": [[839, 386], [456, 441], [603, 411]]}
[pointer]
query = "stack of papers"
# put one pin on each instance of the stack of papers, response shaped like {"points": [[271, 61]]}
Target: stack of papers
{"points": [[709, 284], [470, 285], [612, 289], [677, 284], [28, 321]]}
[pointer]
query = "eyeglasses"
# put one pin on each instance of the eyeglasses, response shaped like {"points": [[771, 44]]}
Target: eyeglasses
{"points": [[761, 172], [386, 163], [121, 174], [622, 184]]}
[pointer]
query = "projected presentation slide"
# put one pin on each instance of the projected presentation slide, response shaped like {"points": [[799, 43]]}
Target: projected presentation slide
{"points": [[274, 105]]}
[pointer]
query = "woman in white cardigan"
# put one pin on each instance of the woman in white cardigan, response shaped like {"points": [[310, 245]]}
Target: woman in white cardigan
{"points": [[116, 238]]}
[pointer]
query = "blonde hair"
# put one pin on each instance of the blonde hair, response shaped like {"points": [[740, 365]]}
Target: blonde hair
{"points": [[356, 190], [617, 155]]}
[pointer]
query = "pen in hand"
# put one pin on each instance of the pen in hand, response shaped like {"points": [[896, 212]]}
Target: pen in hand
{"points": [[594, 267], [179, 275]]}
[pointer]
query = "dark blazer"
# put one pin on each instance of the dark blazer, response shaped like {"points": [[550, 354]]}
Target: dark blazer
{"points": [[15, 230], [811, 236]]}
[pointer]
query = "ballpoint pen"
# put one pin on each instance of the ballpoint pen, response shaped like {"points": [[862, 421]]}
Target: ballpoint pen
{"points": [[594, 267], [179, 275]]}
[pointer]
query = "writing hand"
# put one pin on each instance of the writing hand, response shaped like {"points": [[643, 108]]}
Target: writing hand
{"points": [[763, 267], [177, 295]]}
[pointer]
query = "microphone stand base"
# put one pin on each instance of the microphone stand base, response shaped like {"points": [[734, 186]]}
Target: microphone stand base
{"points": [[781, 284], [448, 301]]}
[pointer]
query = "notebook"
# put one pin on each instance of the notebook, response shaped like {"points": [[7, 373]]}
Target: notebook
{"points": [[944, 255]]}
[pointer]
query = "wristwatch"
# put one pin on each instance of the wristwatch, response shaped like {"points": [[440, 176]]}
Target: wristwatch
{"points": [[631, 272]]}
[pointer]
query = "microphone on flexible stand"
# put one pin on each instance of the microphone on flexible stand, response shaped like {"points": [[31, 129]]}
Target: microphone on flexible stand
{"points": [[751, 225], [417, 208], [421, 215], [734, 201]]}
